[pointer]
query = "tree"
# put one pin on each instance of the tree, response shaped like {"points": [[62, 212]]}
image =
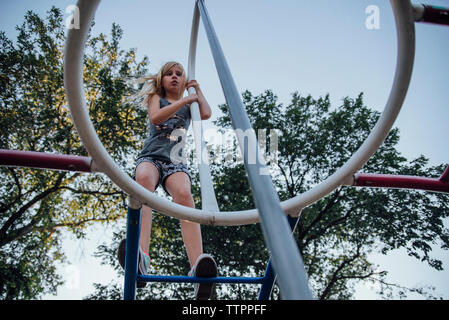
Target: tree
{"points": [[36, 205], [335, 235]]}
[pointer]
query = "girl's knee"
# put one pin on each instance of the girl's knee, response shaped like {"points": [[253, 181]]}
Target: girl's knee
{"points": [[183, 195], [146, 179]]}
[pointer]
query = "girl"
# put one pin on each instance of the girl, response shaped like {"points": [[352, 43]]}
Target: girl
{"points": [[161, 162]]}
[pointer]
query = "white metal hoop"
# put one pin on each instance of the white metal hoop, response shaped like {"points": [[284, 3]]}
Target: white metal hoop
{"points": [[73, 68]]}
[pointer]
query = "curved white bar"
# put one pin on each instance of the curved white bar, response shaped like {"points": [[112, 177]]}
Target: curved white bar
{"points": [[73, 70], [405, 26], [208, 199]]}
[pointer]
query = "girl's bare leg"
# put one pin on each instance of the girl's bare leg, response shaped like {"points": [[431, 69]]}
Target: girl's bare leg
{"points": [[147, 175], [178, 185]]}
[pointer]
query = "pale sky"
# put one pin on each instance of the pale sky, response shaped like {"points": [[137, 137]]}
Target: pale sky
{"points": [[314, 47]]}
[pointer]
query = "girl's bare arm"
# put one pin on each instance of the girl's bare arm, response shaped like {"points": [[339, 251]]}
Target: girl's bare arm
{"points": [[158, 115], [205, 110]]}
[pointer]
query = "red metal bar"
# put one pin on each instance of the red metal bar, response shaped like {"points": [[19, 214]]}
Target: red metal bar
{"points": [[403, 182], [41, 160], [445, 176], [435, 14]]}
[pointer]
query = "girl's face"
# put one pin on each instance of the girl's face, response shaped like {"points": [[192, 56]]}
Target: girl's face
{"points": [[173, 81]]}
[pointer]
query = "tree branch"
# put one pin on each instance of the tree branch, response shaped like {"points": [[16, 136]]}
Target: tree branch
{"points": [[90, 192], [71, 224], [6, 207], [335, 277], [16, 234], [16, 215], [329, 225], [289, 187], [332, 201]]}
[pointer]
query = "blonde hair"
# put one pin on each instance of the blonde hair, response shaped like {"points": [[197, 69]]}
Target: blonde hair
{"points": [[153, 84]]}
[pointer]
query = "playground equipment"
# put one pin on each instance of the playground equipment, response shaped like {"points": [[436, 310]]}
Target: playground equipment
{"points": [[285, 263]]}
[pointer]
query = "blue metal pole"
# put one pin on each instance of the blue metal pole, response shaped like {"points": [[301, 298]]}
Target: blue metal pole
{"points": [[268, 281], [270, 275], [132, 248], [187, 279]]}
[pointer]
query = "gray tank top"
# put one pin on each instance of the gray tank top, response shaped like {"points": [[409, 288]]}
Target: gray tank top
{"points": [[166, 140]]}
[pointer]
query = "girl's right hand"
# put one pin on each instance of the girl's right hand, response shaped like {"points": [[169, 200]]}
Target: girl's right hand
{"points": [[191, 98]]}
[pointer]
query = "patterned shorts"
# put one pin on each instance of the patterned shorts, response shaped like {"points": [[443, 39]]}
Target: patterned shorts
{"points": [[165, 170]]}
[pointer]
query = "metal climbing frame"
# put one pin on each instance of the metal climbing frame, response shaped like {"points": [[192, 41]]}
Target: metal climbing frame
{"points": [[285, 254], [286, 259], [73, 82], [292, 279], [431, 14]]}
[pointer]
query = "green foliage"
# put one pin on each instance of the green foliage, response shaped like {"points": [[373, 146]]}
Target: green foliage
{"points": [[35, 205], [337, 234]]}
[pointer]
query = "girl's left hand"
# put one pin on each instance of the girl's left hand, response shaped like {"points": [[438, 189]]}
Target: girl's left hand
{"points": [[192, 83]]}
